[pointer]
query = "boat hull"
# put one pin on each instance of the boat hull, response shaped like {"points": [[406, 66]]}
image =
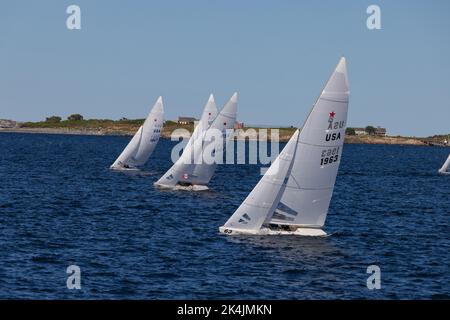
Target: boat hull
{"points": [[305, 232], [123, 169], [194, 187]]}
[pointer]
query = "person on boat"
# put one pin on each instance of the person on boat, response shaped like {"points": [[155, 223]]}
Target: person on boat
{"points": [[124, 165]]}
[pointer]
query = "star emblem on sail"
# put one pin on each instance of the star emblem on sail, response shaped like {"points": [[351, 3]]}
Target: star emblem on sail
{"points": [[293, 196], [189, 169], [144, 141]]}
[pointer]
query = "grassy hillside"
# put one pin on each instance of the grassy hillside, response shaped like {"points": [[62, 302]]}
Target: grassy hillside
{"points": [[103, 126], [129, 127]]}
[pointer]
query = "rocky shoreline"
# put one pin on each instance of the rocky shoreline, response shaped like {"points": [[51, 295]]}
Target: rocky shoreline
{"points": [[366, 139]]}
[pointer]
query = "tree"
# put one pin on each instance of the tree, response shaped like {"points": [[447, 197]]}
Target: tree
{"points": [[350, 132], [54, 119], [370, 130], [75, 117]]}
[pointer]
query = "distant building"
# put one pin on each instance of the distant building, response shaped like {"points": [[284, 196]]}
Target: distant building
{"points": [[360, 131], [186, 120], [7, 123], [380, 131], [238, 125]]}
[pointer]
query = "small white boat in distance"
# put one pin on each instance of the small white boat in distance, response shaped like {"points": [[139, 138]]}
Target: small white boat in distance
{"points": [[188, 173], [141, 146], [445, 167], [293, 197]]}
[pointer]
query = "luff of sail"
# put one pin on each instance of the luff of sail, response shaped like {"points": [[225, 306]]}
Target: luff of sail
{"points": [[297, 188], [141, 146], [445, 166]]}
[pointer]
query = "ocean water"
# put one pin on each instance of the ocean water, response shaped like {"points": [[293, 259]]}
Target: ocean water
{"points": [[61, 205]]}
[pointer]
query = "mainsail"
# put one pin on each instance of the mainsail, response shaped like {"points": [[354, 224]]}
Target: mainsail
{"points": [[445, 167], [297, 189], [141, 146], [190, 169]]}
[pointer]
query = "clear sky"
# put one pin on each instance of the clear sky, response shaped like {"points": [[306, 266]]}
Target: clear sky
{"points": [[276, 54]]}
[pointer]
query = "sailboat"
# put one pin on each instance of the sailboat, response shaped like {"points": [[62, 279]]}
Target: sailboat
{"points": [[445, 167], [293, 197], [190, 172], [144, 141]]}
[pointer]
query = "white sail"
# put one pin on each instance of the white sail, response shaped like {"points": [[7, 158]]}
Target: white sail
{"points": [[297, 189], [445, 167], [190, 168], [207, 117], [186, 160], [141, 146], [204, 172], [225, 120], [259, 204]]}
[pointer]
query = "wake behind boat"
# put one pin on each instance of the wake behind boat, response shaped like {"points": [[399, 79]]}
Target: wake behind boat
{"points": [[190, 172], [141, 146], [293, 197], [445, 166]]}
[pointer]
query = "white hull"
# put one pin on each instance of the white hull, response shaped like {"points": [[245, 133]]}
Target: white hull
{"points": [[118, 168], [305, 232], [444, 172], [178, 187]]}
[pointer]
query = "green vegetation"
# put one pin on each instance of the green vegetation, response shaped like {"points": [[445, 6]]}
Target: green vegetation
{"points": [[75, 117], [438, 139], [53, 119], [122, 126], [370, 130], [130, 126], [350, 131], [91, 123]]}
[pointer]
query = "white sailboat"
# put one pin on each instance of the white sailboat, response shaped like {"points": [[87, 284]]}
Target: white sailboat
{"points": [[293, 197], [188, 173], [445, 167], [144, 141]]}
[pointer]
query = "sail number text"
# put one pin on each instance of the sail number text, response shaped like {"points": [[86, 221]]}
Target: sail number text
{"points": [[329, 156]]}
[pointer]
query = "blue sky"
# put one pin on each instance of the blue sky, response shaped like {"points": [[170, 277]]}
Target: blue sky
{"points": [[276, 54]]}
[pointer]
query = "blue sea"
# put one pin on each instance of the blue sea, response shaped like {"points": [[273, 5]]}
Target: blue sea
{"points": [[60, 205]]}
